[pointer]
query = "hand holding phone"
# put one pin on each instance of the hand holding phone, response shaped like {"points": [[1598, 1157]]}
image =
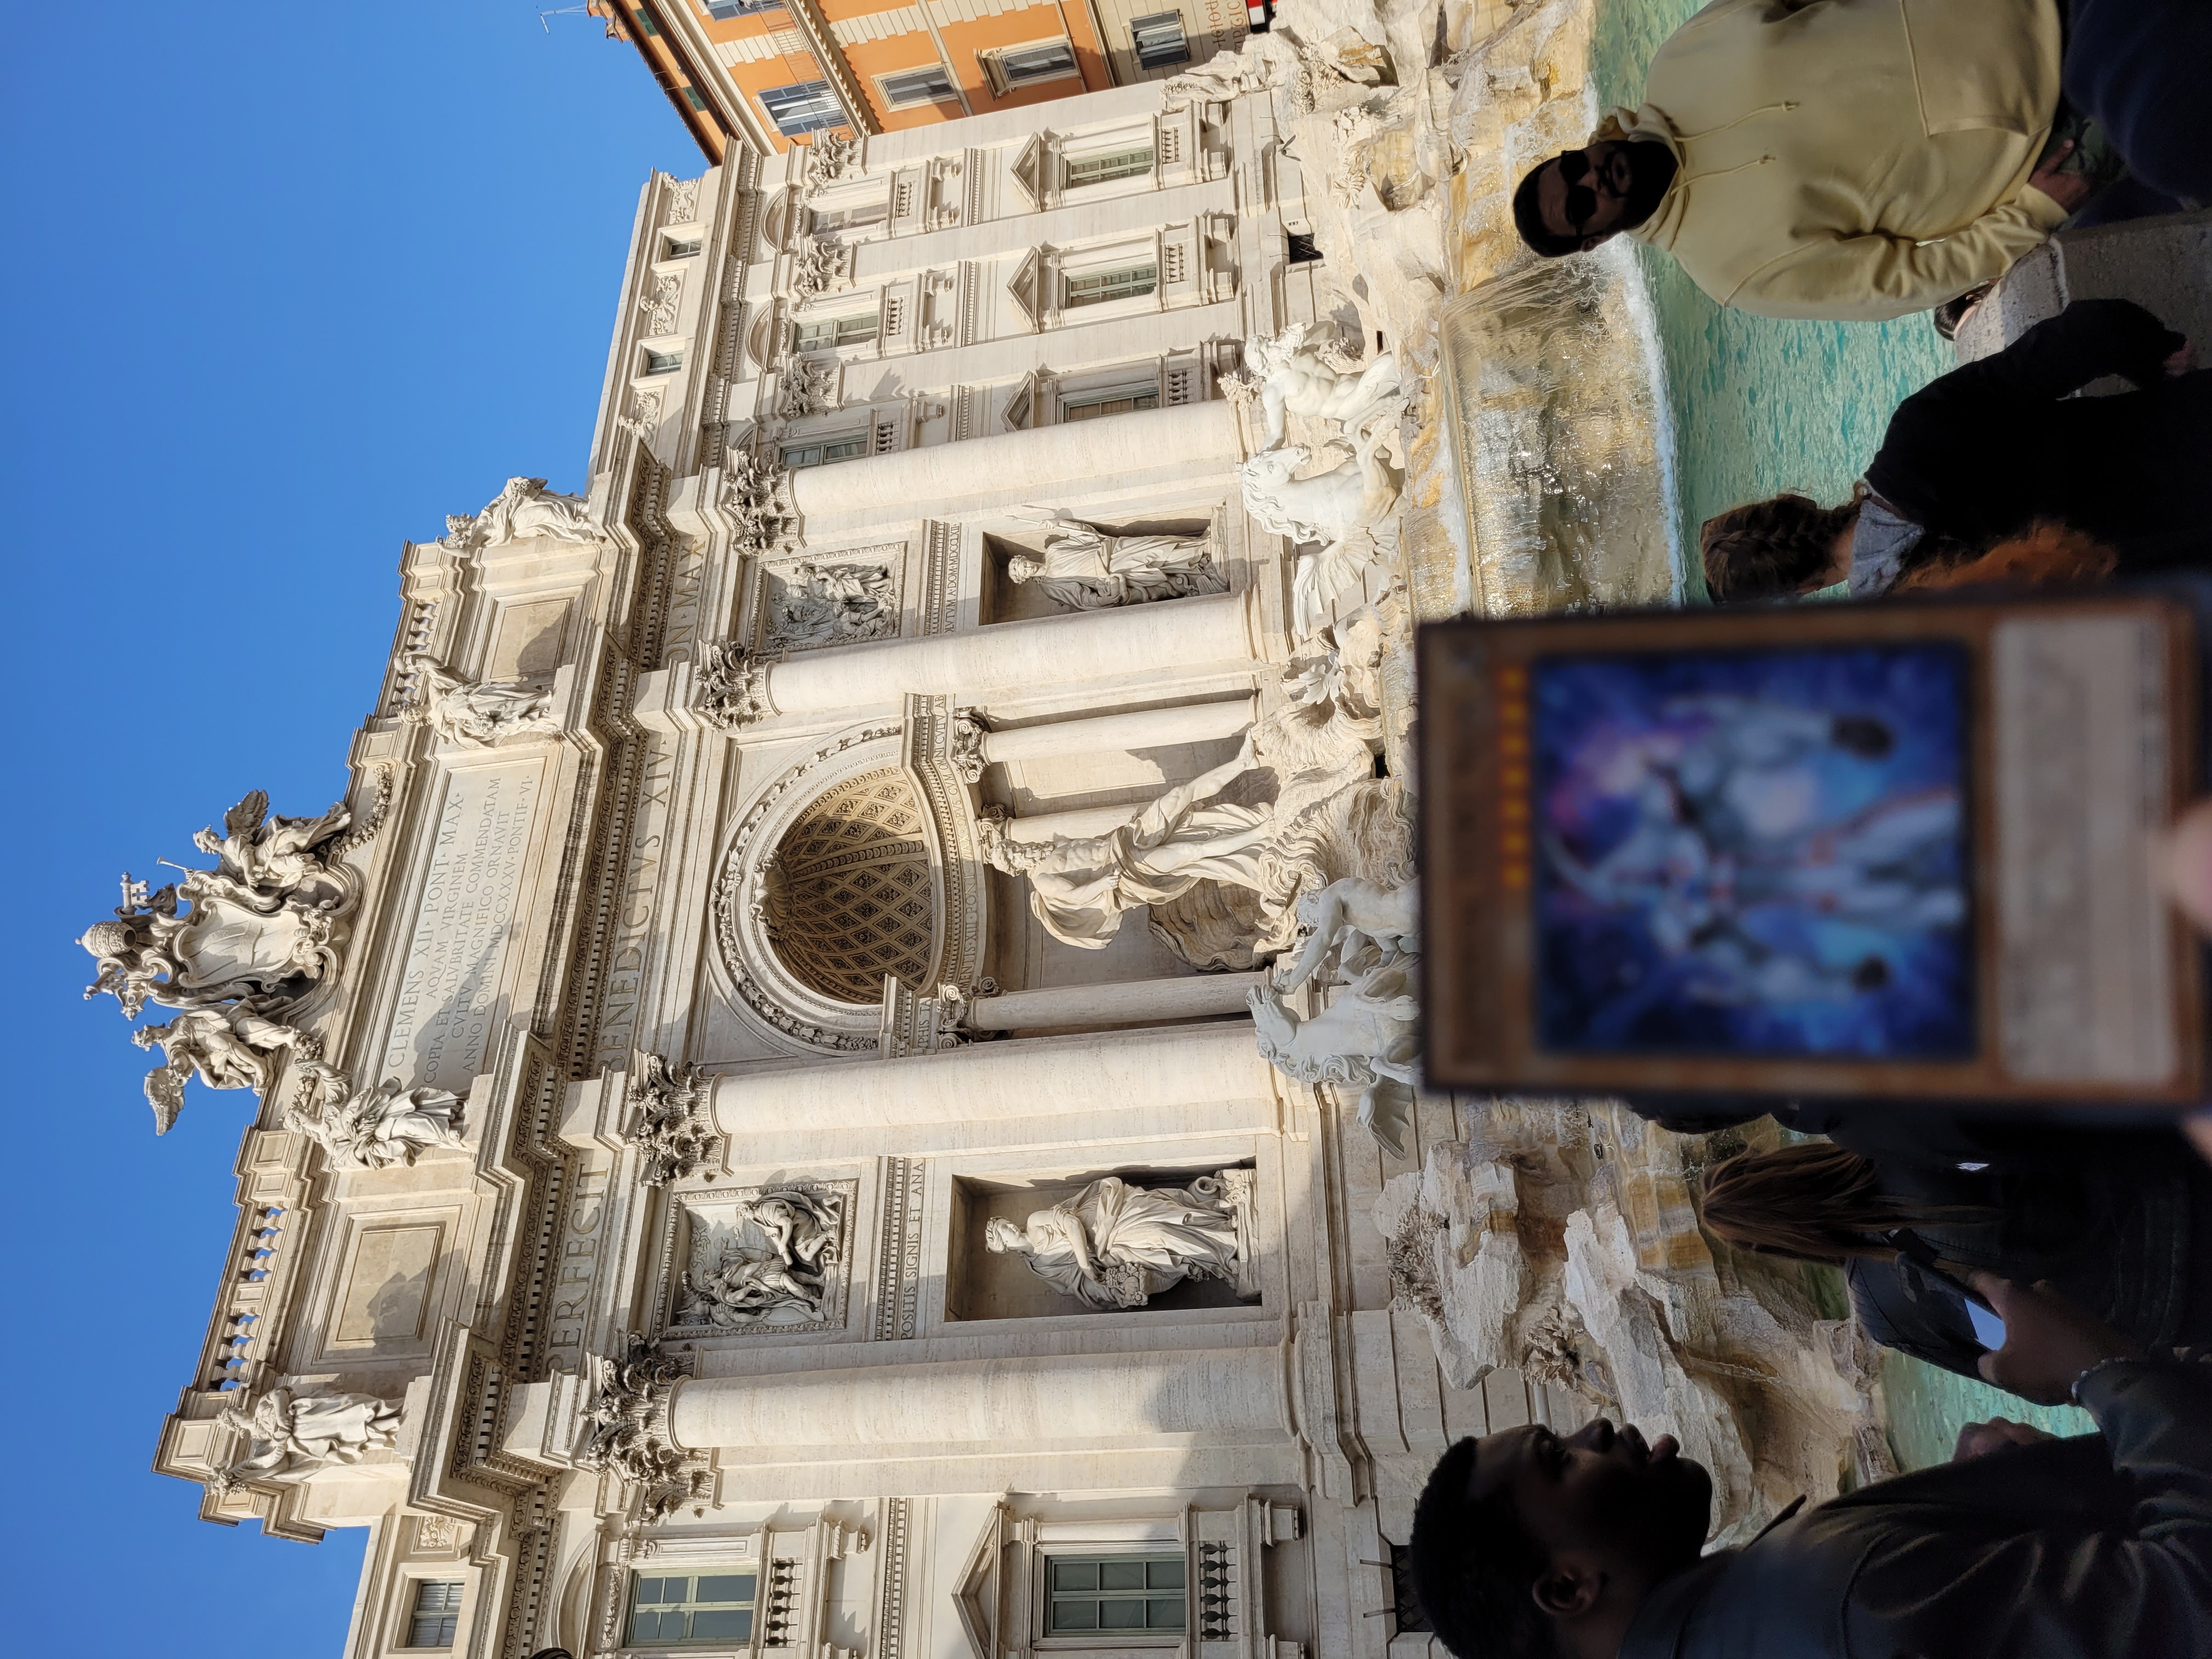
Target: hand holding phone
{"points": [[2049, 1339]]}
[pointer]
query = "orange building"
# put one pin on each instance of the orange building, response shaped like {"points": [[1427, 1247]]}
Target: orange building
{"points": [[770, 71]]}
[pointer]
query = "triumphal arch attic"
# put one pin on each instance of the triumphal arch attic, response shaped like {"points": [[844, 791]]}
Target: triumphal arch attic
{"points": [[842, 1080]]}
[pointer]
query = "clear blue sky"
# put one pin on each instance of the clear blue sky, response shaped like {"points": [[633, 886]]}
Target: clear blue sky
{"points": [[284, 284]]}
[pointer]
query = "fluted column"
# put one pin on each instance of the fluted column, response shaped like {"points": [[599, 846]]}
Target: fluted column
{"points": [[1216, 630], [1181, 996], [1205, 1071], [1083, 820], [1211, 1396]]}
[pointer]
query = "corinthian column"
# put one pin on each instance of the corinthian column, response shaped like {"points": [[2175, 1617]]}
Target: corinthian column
{"points": [[1209, 1396]]}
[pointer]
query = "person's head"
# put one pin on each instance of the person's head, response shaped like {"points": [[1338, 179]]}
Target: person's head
{"points": [[1578, 200], [1814, 1201], [1524, 1537], [1772, 549], [1001, 1236], [1862, 735], [1021, 568]]}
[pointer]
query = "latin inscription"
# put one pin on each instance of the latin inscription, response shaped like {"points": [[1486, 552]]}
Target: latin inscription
{"points": [[443, 1020]]}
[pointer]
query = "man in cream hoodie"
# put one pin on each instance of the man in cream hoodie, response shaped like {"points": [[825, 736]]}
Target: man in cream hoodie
{"points": [[1857, 159]]}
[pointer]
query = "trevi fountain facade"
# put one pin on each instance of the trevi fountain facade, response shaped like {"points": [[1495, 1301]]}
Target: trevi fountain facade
{"points": [[844, 1078]]}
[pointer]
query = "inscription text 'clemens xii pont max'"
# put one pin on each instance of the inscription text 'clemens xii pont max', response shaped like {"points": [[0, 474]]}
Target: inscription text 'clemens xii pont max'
{"points": [[442, 1023]]}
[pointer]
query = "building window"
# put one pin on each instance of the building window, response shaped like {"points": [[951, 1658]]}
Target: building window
{"points": [[437, 1613], [1113, 164], [1159, 40], [724, 10], [855, 217], [1022, 66], [675, 247], [823, 453], [663, 362], [647, 24], [826, 333], [1304, 249], [920, 86], [709, 1608], [1120, 283], [1121, 400], [1095, 1593], [691, 97], [807, 107]]}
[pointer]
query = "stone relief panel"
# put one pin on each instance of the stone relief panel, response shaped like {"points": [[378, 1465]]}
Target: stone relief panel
{"points": [[385, 1296], [843, 597], [758, 1260]]}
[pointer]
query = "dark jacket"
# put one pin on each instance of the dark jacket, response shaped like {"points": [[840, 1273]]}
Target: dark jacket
{"points": [[1978, 454], [2117, 1231], [2075, 1549]]}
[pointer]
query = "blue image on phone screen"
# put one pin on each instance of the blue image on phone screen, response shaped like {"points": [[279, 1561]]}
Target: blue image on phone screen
{"points": [[1989, 1329]]}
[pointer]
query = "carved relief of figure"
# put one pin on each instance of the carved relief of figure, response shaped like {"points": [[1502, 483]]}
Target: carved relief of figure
{"points": [[480, 712], [790, 1270], [375, 1129], [1115, 1245], [1087, 568], [271, 857], [818, 604], [285, 1431], [1079, 889], [522, 509], [1338, 509], [1297, 377]]}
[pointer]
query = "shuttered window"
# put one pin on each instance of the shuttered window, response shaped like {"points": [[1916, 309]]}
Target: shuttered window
{"points": [[436, 1614], [1130, 281]]}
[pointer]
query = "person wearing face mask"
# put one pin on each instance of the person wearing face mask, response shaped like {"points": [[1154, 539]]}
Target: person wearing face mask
{"points": [[1530, 1545], [1857, 159]]}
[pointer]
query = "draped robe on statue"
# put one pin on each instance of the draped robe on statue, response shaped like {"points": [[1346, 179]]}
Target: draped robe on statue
{"points": [[1116, 1244], [1080, 888]]}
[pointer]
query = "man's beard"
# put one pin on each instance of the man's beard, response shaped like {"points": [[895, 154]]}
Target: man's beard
{"points": [[1651, 169]]}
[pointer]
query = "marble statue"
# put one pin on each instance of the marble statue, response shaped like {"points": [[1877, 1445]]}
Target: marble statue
{"points": [[1297, 377], [521, 510], [379, 1129], [1087, 568], [818, 605], [1277, 59], [1079, 889], [233, 1048], [285, 1431], [1369, 1034], [1116, 1246], [789, 1270], [1338, 509], [480, 712], [1350, 917]]}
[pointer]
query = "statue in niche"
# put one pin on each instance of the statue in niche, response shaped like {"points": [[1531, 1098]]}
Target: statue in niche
{"points": [[788, 1269], [284, 1431], [1117, 1246], [480, 712], [818, 604], [522, 509], [1080, 888], [379, 1129], [1087, 568]]}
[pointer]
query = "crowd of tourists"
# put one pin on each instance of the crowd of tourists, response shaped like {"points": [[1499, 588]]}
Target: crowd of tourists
{"points": [[1866, 159]]}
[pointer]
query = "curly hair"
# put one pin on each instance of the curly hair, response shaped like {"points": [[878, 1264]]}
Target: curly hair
{"points": [[2044, 555], [1473, 1564], [1769, 549]]}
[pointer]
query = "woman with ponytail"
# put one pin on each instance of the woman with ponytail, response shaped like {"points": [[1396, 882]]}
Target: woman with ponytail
{"points": [[1982, 454], [2112, 1223]]}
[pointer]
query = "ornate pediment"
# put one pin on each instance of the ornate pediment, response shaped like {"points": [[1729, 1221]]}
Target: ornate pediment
{"points": [[1028, 168], [1024, 286]]}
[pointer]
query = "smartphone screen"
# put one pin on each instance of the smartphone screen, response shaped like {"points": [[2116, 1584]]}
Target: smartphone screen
{"points": [[1989, 1329]]}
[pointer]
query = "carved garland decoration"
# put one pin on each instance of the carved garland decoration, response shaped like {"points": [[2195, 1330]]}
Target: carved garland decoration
{"points": [[628, 1435], [670, 1124]]}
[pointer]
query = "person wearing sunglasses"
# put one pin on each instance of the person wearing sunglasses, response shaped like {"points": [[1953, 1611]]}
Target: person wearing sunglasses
{"points": [[1818, 158]]}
